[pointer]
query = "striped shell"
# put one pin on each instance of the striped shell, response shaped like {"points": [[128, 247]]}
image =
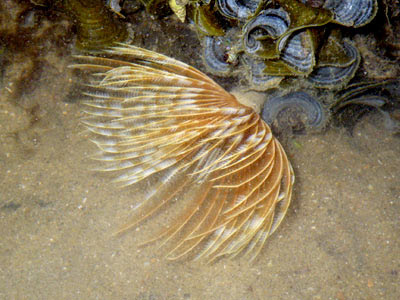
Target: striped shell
{"points": [[299, 52], [334, 76], [297, 111], [260, 33], [354, 13], [155, 117], [256, 76], [237, 9], [216, 54]]}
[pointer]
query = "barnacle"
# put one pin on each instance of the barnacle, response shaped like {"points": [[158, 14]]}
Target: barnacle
{"points": [[297, 58], [219, 53], [96, 26], [354, 13], [236, 9], [151, 115], [297, 111], [258, 79], [334, 75], [216, 55], [260, 33], [357, 99]]}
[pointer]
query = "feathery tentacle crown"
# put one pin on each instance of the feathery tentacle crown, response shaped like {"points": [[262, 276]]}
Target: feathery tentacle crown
{"points": [[152, 115]]}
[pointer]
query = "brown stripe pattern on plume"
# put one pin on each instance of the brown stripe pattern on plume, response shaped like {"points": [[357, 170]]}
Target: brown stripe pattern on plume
{"points": [[152, 115]]}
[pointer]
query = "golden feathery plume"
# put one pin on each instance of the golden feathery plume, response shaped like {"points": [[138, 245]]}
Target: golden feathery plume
{"points": [[154, 115]]}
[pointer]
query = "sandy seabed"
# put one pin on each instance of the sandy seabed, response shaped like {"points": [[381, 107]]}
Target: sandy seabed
{"points": [[340, 239]]}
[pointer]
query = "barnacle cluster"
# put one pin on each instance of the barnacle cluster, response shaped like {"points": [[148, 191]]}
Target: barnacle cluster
{"points": [[281, 38], [311, 110], [305, 47]]}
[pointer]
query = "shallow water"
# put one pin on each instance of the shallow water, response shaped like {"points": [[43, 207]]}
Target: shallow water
{"points": [[340, 239]]}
